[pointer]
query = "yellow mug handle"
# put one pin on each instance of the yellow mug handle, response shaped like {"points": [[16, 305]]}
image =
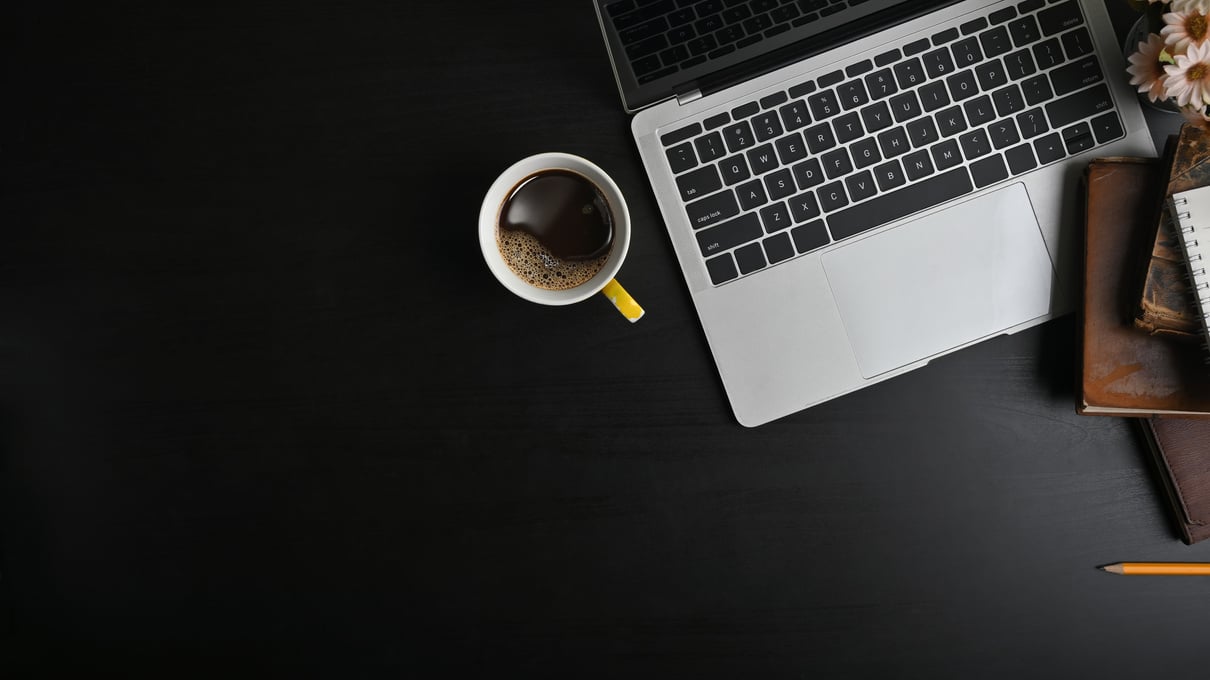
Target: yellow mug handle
{"points": [[622, 300]]}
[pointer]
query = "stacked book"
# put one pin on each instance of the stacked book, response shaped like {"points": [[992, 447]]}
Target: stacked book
{"points": [[1142, 326]]}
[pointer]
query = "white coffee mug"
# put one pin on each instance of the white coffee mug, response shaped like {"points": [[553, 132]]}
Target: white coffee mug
{"points": [[603, 280]]}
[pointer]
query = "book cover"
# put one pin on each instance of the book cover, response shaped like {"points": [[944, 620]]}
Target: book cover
{"points": [[1164, 306], [1182, 452], [1123, 371]]}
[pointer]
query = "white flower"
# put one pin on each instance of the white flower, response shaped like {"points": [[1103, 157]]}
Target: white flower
{"points": [[1146, 71], [1202, 6], [1189, 79], [1182, 29]]}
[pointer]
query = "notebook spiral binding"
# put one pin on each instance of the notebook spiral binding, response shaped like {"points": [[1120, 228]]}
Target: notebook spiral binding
{"points": [[1200, 282]]}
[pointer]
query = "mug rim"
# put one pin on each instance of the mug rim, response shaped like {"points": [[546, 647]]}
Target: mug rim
{"points": [[493, 203]]}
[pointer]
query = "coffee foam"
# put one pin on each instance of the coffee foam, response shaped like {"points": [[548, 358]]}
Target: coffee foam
{"points": [[530, 260]]}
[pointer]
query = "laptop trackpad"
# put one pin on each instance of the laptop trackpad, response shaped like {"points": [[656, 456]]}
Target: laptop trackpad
{"points": [[964, 273]]}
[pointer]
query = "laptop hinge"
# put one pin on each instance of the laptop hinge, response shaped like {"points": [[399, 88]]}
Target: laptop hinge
{"points": [[689, 96]]}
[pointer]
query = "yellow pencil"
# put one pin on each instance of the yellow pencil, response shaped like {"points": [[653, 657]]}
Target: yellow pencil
{"points": [[1159, 568]]}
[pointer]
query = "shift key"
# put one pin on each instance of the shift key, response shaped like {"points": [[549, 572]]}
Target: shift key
{"points": [[729, 234], [1078, 106], [712, 209]]}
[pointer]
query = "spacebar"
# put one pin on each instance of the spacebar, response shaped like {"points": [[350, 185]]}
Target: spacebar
{"points": [[899, 203]]}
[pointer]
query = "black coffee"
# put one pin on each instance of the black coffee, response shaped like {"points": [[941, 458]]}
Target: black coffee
{"points": [[555, 230]]}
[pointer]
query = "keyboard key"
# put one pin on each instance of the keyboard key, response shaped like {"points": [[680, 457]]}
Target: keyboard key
{"points": [[836, 163], [973, 26], [962, 85], [975, 144], [721, 269], [693, 185], [1071, 77], [645, 47], [852, 94], [830, 79], [881, 83], [710, 147], [861, 185], [750, 258], [917, 164], [727, 235], [766, 126], [1002, 15], [804, 207], [1082, 104], [734, 169], [832, 196], [775, 99], [909, 73], [979, 111], [1077, 43], [819, 138], [863, 66], [1019, 64], [848, 127], [1036, 89], [950, 121], [791, 149], [762, 159], [646, 65], [739, 136], [922, 132], [1048, 53], [712, 209], [780, 184], [905, 106], [1060, 17], [990, 75], [802, 89], [1008, 100], [794, 115], [889, 57], [778, 248], [933, 96], [1003, 133], [681, 157], [988, 171], [945, 36], [745, 110], [1020, 159], [808, 173], [1032, 123], [823, 104], [1024, 31], [889, 175], [1049, 148], [946, 154], [876, 116], [966, 52], [1107, 127], [729, 34], [751, 194], [1077, 138], [681, 134], [899, 203], [775, 217], [865, 152], [894, 142], [995, 42], [717, 121], [938, 63], [810, 236]]}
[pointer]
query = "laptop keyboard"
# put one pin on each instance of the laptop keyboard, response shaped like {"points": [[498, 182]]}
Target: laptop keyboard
{"points": [[882, 138]]}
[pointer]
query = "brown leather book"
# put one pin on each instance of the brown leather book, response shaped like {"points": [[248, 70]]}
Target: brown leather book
{"points": [[1182, 451], [1123, 371], [1165, 305]]}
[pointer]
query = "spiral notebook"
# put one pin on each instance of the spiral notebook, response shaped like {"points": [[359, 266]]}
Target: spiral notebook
{"points": [[1191, 213]]}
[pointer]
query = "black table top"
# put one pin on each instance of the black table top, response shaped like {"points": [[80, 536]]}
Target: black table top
{"points": [[262, 406]]}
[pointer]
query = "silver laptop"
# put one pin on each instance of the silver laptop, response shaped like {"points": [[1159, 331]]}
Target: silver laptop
{"points": [[856, 187]]}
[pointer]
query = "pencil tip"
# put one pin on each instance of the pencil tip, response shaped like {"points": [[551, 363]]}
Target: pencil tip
{"points": [[1113, 568]]}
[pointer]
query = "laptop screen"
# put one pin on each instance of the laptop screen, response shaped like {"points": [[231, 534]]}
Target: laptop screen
{"points": [[666, 48]]}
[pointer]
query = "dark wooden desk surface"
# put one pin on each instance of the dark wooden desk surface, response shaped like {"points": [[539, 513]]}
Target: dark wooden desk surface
{"points": [[262, 406]]}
